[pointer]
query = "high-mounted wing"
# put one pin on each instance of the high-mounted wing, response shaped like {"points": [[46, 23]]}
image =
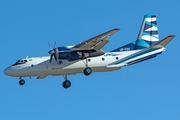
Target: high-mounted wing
{"points": [[96, 42]]}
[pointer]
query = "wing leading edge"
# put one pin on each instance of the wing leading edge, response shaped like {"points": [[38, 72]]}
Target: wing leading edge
{"points": [[96, 42]]}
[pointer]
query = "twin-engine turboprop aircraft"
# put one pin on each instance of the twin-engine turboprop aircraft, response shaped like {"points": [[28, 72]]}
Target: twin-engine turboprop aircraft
{"points": [[88, 56]]}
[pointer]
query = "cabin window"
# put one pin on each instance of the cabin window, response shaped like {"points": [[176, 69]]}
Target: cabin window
{"points": [[103, 59], [117, 58]]}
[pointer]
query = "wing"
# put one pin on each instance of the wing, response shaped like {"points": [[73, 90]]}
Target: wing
{"points": [[96, 42]]}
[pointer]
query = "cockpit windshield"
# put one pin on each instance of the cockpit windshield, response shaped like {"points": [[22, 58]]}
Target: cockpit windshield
{"points": [[19, 62]]}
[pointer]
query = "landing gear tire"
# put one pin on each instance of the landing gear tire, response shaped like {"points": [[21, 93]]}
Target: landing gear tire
{"points": [[21, 82], [66, 84], [87, 71]]}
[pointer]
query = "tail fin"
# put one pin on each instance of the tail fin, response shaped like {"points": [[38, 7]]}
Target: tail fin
{"points": [[149, 30], [148, 35]]}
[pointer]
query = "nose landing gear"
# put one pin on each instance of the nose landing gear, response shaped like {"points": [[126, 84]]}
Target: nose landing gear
{"points": [[66, 83], [21, 82]]}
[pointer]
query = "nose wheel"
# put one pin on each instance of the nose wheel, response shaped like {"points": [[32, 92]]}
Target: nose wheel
{"points": [[66, 83], [21, 82]]}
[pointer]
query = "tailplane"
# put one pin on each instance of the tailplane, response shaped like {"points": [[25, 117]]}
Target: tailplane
{"points": [[148, 35]]}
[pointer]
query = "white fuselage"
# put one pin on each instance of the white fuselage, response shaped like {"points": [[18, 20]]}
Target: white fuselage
{"points": [[41, 67]]}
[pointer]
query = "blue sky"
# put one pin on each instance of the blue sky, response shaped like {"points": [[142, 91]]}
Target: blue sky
{"points": [[149, 90]]}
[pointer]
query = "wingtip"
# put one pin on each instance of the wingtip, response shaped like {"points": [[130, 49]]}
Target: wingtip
{"points": [[172, 36], [116, 29]]}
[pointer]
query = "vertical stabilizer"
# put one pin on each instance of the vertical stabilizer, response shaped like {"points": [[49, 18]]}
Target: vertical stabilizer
{"points": [[148, 35], [148, 32]]}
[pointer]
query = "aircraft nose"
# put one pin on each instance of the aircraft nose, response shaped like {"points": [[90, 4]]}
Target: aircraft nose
{"points": [[8, 71]]}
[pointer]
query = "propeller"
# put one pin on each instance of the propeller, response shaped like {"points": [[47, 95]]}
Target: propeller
{"points": [[52, 53]]}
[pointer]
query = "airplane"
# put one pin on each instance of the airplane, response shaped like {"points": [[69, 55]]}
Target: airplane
{"points": [[88, 56]]}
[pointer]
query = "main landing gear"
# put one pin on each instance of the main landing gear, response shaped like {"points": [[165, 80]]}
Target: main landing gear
{"points": [[87, 71], [21, 81], [66, 83]]}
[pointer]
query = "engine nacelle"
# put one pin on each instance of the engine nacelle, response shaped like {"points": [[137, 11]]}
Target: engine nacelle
{"points": [[82, 54]]}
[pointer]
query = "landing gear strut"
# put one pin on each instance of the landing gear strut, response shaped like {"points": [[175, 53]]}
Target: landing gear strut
{"points": [[87, 71], [66, 83], [21, 82]]}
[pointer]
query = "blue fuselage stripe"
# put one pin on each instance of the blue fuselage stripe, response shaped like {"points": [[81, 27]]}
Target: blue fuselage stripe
{"points": [[136, 55], [144, 58]]}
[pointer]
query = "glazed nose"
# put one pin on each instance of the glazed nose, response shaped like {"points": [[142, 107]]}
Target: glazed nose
{"points": [[8, 71]]}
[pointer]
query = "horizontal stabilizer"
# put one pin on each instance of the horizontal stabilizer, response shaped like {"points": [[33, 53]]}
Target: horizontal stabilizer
{"points": [[165, 41]]}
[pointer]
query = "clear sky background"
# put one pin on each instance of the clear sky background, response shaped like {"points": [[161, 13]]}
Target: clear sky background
{"points": [[145, 91]]}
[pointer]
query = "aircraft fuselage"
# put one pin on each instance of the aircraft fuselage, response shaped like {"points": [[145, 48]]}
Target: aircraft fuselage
{"points": [[40, 66]]}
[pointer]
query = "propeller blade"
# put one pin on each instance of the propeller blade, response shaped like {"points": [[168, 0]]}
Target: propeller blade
{"points": [[55, 57], [49, 46], [50, 59], [54, 44]]}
